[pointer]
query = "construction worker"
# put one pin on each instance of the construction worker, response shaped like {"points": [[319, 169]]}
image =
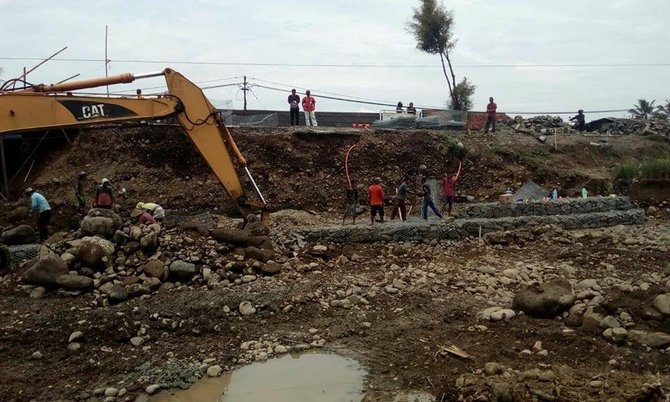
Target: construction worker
{"points": [[104, 195], [449, 189], [156, 211], [294, 108], [399, 200], [491, 116], [428, 201], [351, 203], [41, 208], [80, 191], [580, 120], [376, 193]]}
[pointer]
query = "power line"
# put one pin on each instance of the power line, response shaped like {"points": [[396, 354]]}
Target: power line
{"points": [[348, 65]]}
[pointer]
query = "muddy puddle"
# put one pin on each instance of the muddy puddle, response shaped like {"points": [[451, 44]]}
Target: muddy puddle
{"points": [[290, 378]]}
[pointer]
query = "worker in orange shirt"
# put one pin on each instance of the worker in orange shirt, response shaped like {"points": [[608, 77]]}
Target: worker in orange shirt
{"points": [[376, 193]]}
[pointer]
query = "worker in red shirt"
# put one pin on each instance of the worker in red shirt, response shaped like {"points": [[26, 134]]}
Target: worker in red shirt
{"points": [[491, 116], [449, 189], [376, 193], [309, 105]]}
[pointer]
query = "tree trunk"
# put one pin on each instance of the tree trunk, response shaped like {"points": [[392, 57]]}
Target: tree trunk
{"points": [[457, 104], [444, 70]]}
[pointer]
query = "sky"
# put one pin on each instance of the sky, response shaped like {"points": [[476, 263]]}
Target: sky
{"points": [[533, 56]]}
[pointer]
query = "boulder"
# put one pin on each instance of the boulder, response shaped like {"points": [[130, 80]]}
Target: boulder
{"points": [[662, 303], [106, 245], [102, 222], [116, 293], [271, 268], [149, 241], [232, 236], [262, 242], [45, 270], [75, 282], [651, 339], [258, 254], [23, 234], [18, 214], [545, 300], [137, 289], [154, 269], [135, 233], [119, 238], [182, 270], [257, 228], [91, 254], [592, 319], [615, 335]]}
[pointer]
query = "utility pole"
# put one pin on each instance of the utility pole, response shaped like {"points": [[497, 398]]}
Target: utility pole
{"points": [[245, 88], [106, 60]]}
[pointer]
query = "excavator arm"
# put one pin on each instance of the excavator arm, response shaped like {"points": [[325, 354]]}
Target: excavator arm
{"points": [[44, 107]]}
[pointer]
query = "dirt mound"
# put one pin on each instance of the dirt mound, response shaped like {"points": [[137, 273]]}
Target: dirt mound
{"points": [[306, 171]]}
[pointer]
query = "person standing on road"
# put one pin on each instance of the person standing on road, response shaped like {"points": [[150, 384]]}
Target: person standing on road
{"points": [[376, 193], [104, 195], [294, 102], [580, 120], [80, 191], [309, 106], [41, 208], [449, 189], [491, 116], [428, 201], [399, 201], [351, 203]]}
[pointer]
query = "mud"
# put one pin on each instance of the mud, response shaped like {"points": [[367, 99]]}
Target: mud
{"points": [[293, 378]]}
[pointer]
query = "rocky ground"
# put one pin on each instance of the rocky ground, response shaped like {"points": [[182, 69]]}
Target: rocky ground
{"points": [[109, 310], [552, 315]]}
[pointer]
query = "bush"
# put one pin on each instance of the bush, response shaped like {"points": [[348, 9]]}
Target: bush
{"points": [[626, 172], [456, 148], [655, 169], [652, 169]]}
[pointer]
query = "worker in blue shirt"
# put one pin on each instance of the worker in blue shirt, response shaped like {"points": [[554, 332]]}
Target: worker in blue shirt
{"points": [[40, 207]]}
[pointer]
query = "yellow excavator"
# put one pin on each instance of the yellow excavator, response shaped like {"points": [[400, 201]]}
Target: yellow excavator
{"points": [[42, 107]]}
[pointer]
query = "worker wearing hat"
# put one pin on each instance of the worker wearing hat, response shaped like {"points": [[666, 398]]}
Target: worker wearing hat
{"points": [[80, 191], [41, 208]]}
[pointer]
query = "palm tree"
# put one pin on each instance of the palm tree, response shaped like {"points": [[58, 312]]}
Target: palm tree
{"points": [[664, 110], [643, 110]]}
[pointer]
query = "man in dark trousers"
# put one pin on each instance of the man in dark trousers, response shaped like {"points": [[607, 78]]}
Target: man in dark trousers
{"points": [[351, 203], [294, 102], [428, 201], [580, 120], [491, 116], [376, 193], [399, 201], [39, 206]]}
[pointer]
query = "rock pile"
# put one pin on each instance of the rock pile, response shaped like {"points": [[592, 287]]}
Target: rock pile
{"points": [[118, 260]]}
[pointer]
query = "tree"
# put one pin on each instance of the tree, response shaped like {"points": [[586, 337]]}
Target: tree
{"points": [[463, 93], [431, 26], [642, 110], [664, 110]]}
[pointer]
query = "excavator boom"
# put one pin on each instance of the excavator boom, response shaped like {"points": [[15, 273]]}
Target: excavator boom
{"points": [[44, 107]]}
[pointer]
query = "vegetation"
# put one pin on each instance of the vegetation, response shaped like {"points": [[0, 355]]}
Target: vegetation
{"points": [[642, 110], [455, 147], [651, 169], [663, 111], [432, 26]]}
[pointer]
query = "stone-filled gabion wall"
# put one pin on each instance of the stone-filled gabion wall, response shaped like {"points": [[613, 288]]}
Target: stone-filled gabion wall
{"points": [[563, 206], [463, 228]]}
